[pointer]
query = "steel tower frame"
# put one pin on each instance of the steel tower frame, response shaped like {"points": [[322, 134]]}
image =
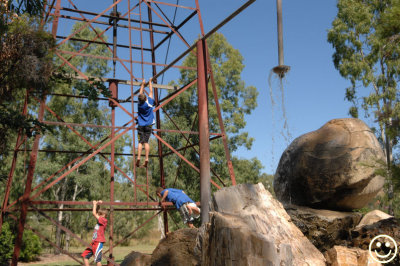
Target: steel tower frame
{"points": [[60, 13]]}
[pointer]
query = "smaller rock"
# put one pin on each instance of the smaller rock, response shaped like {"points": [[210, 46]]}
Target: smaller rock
{"points": [[343, 256], [373, 217], [177, 249], [136, 259]]}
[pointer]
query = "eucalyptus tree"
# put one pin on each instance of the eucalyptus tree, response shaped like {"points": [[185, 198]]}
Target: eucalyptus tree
{"points": [[366, 37]]}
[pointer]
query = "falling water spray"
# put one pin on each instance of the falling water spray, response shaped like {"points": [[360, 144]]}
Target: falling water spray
{"points": [[280, 71]]}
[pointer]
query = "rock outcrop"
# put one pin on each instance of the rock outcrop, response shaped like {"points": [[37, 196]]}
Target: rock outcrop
{"points": [[343, 256], [373, 217], [324, 228], [176, 249], [136, 259], [249, 227], [331, 168]]}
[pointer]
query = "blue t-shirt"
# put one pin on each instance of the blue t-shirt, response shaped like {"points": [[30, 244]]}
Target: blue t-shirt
{"points": [[177, 197], [145, 112]]}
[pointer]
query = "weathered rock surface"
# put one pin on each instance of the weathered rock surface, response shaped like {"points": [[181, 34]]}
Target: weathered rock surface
{"points": [[363, 236], [136, 259], [324, 228], [343, 256], [176, 249], [373, 217], [249, 227], [331, 168]]}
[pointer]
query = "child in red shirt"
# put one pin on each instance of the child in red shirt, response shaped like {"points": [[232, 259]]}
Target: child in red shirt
{"points": [[98, 239]]}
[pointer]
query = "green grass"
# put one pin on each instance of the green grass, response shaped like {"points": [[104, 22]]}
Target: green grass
{"points": [[118, 252]]}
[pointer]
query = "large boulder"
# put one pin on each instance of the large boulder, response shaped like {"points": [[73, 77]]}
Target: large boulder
{"points": [[249, 227], [331, 168]]}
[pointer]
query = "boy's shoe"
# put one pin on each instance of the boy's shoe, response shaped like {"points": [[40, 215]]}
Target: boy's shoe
{"points": [[137, 162], [145, 164]]}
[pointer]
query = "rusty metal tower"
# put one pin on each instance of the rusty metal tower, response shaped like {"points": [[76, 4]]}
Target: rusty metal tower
{"points": [[139, 29]]}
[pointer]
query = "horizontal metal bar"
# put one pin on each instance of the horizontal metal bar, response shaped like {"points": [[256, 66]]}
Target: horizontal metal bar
{"points": [[118, 18], [105, 203], [79, 125], [126, 82], [76, 96], [114, 209], [104, 43], [183, 132], [86, 152], [105, 23], [190, 146]]}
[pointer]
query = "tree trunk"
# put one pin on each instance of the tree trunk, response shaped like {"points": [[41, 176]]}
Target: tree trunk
{"points": [[68, 218], [61, 197]]}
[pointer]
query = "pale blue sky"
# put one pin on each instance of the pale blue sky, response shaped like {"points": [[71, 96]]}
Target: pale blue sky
{"points": [[313, 89]]}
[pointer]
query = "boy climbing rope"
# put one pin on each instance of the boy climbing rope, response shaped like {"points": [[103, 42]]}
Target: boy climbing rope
{"points": [[145, 121], [186, 206], [98, 239]]}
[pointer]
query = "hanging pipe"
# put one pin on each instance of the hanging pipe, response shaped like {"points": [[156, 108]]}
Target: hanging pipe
{"points": [[281, 69]]}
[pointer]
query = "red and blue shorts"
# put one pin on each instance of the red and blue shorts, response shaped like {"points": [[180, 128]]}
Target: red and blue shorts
{"points": [[95, 249]]}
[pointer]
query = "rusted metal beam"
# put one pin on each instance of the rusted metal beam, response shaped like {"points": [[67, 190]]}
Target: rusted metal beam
{"points": [[28, 188], [111, 17], [169, 4], [118, 25], [205, 177], [169, 26], [48, 240], [177, 27], [175, 94], [221, 123], [55, 20], [102, 43], [104, 203], [134, 231], [65, 229]]}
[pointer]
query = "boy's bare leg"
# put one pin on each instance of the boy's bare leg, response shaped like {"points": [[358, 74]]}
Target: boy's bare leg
{"points": [[98, 263], [147, 151], [139, 153], [86, 261], [191, 225]]}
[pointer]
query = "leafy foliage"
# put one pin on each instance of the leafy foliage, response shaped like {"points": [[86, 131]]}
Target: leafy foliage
{"points": [[26, 64], [32, 7], [31, 246], [6, 244], [366, 39], [30, 249]]}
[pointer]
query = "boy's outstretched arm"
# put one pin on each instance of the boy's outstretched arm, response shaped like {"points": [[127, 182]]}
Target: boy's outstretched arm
{"points": [[151, 87], [142, 86], [94, 211], [164, 196]]}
